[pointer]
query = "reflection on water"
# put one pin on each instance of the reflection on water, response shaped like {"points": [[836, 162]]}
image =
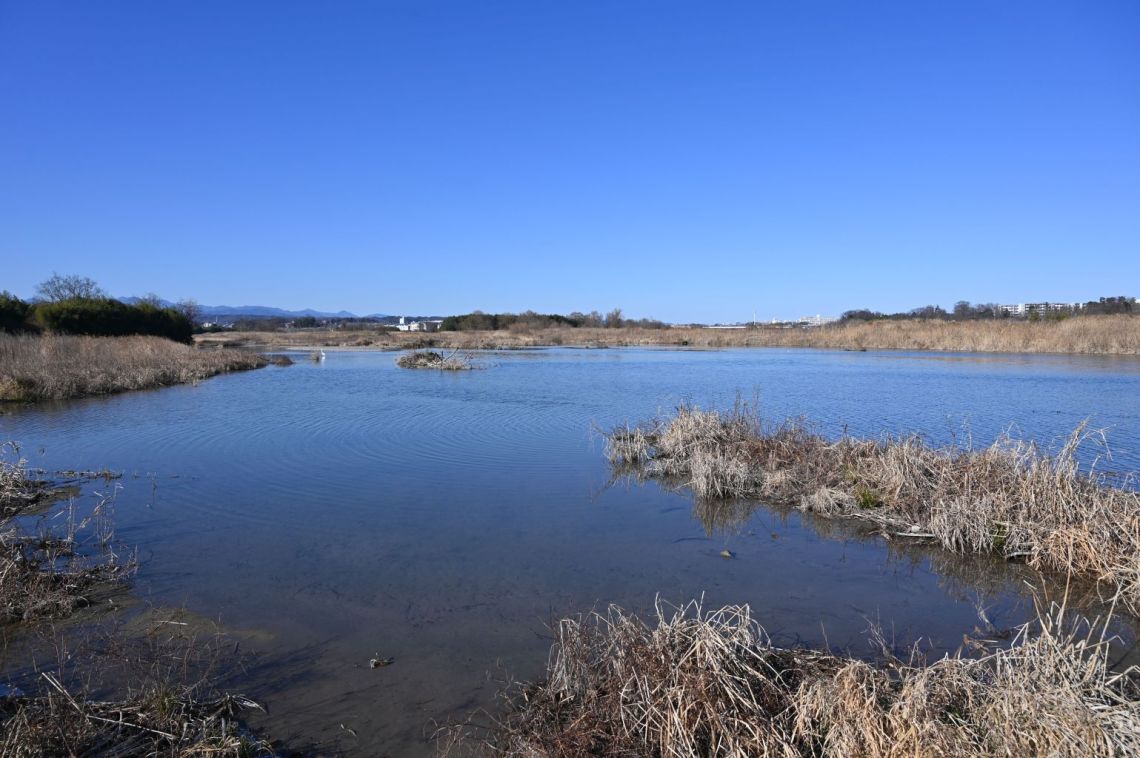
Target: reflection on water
{"points": [[349, 509]]}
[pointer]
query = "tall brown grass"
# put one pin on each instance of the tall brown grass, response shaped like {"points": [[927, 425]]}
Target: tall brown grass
{"points": [[56, 367], [1011, 498], [1093, 335], [712, 684]]}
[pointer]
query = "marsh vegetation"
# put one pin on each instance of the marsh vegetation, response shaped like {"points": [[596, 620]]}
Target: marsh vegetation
{"points": [[166, 704], [50, 569], [1088, 335], [131, 692], [712, 683], [1011, 498], [432, 359], [55, 367]]}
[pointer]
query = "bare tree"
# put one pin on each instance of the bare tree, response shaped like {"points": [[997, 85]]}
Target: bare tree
{"points": [[191, 310], [613, 319], [71, 287]]}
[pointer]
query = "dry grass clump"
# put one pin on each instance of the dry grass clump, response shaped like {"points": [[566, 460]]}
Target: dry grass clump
{"points": [[713, 684], [50, 571], [432, 359], [56, 367], [1011, 498]]}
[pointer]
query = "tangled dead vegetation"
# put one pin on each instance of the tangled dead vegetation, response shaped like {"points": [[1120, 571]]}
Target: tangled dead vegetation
{"points": [[147, 724], [712, 684], [56, 367], [431, 359], [166, 702], [1012, 498], [48, 571]]}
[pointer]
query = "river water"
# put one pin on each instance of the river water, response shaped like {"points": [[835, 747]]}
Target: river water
{"points": [[340, 510]]}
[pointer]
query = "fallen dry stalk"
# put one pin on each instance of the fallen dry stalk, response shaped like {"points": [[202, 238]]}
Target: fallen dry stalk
{"points": [[1011, 498], [712, 684]]}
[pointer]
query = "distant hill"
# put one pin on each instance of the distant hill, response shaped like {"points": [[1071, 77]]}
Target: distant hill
{"points": [[259, 311]]}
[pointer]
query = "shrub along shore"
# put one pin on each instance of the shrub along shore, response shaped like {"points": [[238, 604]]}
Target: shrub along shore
{"points": [[1087, 335], [1011, 499], [56, 367]]}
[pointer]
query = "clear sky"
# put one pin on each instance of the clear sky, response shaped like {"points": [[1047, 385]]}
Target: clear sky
{"points": [[686, 161]]}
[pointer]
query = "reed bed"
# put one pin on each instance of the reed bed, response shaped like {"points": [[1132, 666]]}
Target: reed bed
{"points": [[1092, 335], [1012, 498], [712, 684], [432, 359], [56, 367]]}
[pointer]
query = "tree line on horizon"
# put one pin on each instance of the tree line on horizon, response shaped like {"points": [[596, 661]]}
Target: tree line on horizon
{"points": [[965, 311], [530, 320], [78, 305]]}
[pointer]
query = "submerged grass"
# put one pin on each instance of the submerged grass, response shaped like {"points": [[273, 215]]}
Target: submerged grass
{"points": [[56, 367], [168, 706], [49, 571], [711, 683], [1012, 498], [131, 695]]}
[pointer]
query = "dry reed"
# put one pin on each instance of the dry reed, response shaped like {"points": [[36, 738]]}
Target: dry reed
{"points": [[55, 367], [1093, 335], [713, 684], [1012, 498]]}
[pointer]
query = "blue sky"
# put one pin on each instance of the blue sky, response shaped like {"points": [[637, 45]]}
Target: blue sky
{"points": [[687, 161]]}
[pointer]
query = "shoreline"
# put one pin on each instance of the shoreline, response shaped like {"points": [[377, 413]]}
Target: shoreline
{"points": [[1087, 335]]}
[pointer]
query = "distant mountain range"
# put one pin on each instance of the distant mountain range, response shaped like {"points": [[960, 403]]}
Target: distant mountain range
{"points": [[261, 311]]}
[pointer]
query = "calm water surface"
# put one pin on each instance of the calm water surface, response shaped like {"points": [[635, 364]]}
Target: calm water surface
{"points": [[350, 508]]}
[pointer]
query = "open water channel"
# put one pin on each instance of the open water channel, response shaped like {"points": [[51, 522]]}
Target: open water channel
{"points": [[338, 510]]}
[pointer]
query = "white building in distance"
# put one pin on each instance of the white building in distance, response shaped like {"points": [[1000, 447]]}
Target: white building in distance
{"points": [[418, 326]]}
